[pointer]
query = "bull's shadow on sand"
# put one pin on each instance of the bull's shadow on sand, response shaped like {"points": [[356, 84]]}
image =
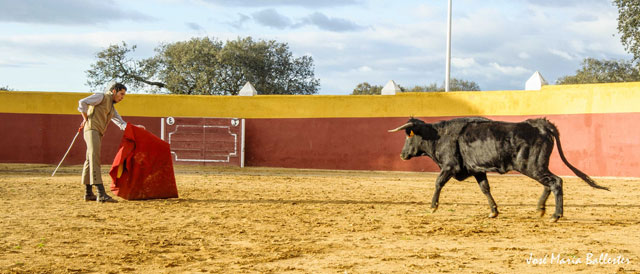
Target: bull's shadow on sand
{"points": [[424, 207], [358, 202]]}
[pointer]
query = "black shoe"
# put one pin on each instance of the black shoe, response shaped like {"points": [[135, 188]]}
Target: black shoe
{"points": [[88, 194], [102, 195], [106, 199]]}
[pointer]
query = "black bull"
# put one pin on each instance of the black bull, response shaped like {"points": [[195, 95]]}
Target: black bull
{"points": [[473, 146]]}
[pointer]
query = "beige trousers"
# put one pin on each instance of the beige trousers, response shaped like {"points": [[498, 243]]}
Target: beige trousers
{"points": [[91, 174]]}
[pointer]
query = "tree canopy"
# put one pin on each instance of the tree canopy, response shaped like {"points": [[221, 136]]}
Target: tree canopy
{"points": [[602, 71], [455, 84], [208, 66], [629, 25], [609, 71], [365, 88]]}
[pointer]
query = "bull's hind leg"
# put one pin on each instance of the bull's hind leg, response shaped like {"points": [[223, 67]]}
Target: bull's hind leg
{"points": [[542, 203], [484, 186], [551, 183], [556, 187]]}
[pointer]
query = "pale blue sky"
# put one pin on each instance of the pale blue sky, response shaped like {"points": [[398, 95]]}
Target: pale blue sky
{"points": [[499, 44]]}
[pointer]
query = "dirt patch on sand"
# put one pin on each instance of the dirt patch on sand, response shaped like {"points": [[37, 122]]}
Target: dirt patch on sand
{"points": [[313, 221]]}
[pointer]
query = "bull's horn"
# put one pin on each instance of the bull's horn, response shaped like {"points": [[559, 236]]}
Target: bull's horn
{"points": [[407, 125]]}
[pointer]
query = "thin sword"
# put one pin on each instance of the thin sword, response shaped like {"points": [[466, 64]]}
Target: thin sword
{"points": [[69, 149]]}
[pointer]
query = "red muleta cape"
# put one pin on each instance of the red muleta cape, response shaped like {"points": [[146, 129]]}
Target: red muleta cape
{"points": [[143, 167]]}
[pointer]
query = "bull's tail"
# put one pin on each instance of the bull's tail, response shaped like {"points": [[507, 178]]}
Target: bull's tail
{"points": [[552, 128]]}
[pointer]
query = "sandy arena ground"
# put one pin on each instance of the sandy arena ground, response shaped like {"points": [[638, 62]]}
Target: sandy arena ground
{"points": [[262, 220]]}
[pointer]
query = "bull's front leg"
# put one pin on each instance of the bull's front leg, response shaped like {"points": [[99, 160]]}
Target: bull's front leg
{"points": [[484, 187], [443, 178]]}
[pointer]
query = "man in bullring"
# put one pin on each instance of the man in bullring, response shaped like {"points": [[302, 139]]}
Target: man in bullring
{"points": [[96, 111]]}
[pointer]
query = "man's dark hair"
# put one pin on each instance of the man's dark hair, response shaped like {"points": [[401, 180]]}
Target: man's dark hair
{"points": [[117, 87]]}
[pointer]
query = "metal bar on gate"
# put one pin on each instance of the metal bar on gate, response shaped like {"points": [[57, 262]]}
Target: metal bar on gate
{"points": [[162, 129], [242, 143]]}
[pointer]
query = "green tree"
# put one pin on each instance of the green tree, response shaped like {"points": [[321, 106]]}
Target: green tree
{"points": [[190, 67], [208, 66], [367, 89], [602, 71], [427, 88], [5, 88], [454, 85], [268, 65], [629, 25], [608, 71], [114, 63]]}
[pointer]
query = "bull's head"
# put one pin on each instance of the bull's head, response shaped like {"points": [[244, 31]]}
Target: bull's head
{"points": [[417, 132]]}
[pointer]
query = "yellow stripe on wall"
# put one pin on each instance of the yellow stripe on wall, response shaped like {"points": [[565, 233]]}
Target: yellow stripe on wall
{"points": [[554, 99]]}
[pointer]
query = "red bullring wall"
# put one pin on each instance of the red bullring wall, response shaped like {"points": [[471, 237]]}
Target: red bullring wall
{"points": [[599, 144], [597, 125]]}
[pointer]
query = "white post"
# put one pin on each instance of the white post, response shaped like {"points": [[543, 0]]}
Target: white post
{"points": [[247, 90], [391, 88], [448, 61], [535, 82]]}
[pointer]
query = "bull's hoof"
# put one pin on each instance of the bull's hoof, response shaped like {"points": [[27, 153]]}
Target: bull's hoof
{"points": [[434, 209], [554, 219], [541, 212], [493, 214]]}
